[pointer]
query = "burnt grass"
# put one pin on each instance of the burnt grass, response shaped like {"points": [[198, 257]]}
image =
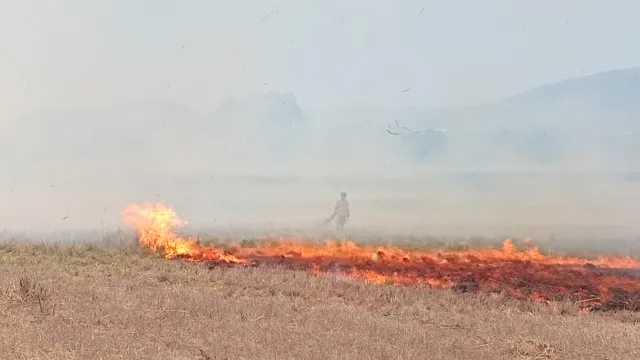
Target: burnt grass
{"points": [[85, 302], [523, 280]]}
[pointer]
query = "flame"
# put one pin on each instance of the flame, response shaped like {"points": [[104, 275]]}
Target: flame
{"points": [[527, 274], [155, 223]]}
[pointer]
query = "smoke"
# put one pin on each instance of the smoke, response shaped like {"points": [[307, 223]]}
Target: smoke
{"points": [[255, 136], [262, 164]]}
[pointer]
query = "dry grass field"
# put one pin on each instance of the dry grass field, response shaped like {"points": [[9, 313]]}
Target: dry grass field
{"points": [[85, 302]]}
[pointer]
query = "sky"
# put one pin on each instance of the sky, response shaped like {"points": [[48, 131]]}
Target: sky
{"points": [[330, 54]]}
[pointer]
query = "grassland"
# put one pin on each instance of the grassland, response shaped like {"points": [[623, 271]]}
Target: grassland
{"points": [[86, 302]]}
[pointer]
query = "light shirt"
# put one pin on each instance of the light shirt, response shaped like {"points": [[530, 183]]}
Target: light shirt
{"points": [[342, 207]]}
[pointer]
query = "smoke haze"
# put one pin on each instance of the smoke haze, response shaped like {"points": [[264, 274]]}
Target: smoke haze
{"points": [[257, 115]]}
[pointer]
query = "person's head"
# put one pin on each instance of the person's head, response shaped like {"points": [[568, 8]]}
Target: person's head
{"points": [[343, 195]]}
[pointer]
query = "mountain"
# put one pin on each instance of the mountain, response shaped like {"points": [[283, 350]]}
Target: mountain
{"points": [[271, 120], [586, 122]]}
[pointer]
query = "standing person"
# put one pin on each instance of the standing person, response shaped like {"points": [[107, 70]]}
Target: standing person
{"points": [[341, 211]]}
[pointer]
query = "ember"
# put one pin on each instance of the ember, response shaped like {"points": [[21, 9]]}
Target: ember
{"points": [[606, 283]]}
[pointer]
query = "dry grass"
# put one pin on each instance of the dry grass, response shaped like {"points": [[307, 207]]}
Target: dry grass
{"points": [[89, 303]]}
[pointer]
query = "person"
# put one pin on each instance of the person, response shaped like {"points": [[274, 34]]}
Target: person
{"points": [[341, 211]]}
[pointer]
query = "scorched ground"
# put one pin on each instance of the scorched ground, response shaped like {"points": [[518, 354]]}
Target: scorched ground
{"points": [[606, 283]]}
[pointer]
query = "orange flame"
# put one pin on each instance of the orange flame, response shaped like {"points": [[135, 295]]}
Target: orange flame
{"points": [[155, 223], [523, 274]]}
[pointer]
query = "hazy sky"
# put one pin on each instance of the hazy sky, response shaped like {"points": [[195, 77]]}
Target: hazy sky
{"points": [[355, 53], [77, 53]]}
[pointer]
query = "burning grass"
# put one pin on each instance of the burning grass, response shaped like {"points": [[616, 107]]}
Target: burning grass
{"points": [[300, 300], [83, 302], [605, 283]]}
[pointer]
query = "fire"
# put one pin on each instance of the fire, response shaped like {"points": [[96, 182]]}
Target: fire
{"points": [[155, 223], [527, 274]]}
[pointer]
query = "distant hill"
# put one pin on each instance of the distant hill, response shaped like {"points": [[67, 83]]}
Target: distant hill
{"points": [[586, 122], [271, 120]]}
